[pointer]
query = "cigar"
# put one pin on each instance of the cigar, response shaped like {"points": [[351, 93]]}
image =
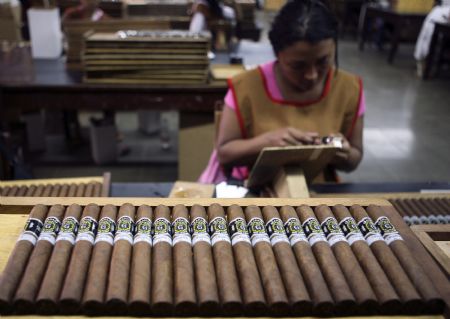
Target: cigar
{"points": [[356, 279], [265, 259], [64, 192], [435, 210], [97, 190], [72, 291], [12, 273], [89, 191], [391, 266], [413, 219], [403, 213], [47, 190], [80, 190], [299, 298], [184, 289], [162, 275], [140, 279], [37, 264], [205, 274], [389, 302], [250, 282], [39, 191], [13, 191], [97, 278], [317, 287], [434, 302], [342, 295], [423, 218], [72, 190], [52, 283], [119, 273], [55, 191], [30, 191], [230, 296], [3, 192], [22, 191]]}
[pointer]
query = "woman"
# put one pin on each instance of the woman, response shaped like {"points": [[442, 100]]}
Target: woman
{"points": [[293, 100]]}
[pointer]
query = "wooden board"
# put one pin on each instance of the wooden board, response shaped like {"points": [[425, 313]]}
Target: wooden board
{"points": [[311, 158], [436, 239]]}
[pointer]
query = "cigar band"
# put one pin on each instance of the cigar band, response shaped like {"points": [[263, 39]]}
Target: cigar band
{"points": [[143, 231], [163, 232], [312, 230], [369, 231], [388, 231], [332, 231], [88, 229], [257, 231], [51, 229], [106, 231], [31, 231], [199, 231], [69, 230], [125, 229], [294, 231], [181, 233], [275, 230], [238, 231], [350, 230], [218, 230]]}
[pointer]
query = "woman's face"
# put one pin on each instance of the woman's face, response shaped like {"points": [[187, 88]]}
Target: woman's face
{"points": [[305, 65]]}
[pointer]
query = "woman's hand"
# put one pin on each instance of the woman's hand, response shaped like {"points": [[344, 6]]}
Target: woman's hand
{"points": [[287, 136], [348, 157]]}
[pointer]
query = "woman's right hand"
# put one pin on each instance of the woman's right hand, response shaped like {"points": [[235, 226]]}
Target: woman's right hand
{"points": [[288, 136]]}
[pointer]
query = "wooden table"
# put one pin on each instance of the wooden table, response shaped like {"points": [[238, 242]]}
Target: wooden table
{"points": [[47, 85], [441, 36], [401, 22], [14, 210]]}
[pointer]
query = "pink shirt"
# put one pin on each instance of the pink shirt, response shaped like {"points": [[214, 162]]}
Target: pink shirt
{"points": [[274, 90]]}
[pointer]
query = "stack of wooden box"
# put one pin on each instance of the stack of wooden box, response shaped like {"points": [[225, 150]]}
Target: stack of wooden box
{"points": [[147, 57]]}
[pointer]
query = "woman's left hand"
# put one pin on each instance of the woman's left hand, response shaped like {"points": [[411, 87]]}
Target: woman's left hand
{"points": [[343, 154]]}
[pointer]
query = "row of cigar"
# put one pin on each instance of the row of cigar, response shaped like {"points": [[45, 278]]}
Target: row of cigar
{"points": [[214, 260], [92, 189], [416, 211]]}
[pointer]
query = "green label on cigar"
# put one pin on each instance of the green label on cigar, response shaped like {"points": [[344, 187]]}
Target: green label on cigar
{"points": [[218, 230], [350, 230], [88, 229], [388, 231], [106, 230], [143, 231], [69, 230], [257, 231], [312, 230], [199, 230], [369, 230], [180, 228], [332, 231], [294, 231], [125, 229], [276, 232], [31, 231], [162, 231], [50, 230], [238, 231]]}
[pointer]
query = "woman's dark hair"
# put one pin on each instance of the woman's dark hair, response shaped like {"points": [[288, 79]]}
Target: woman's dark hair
{"points": [[302, 20]]}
